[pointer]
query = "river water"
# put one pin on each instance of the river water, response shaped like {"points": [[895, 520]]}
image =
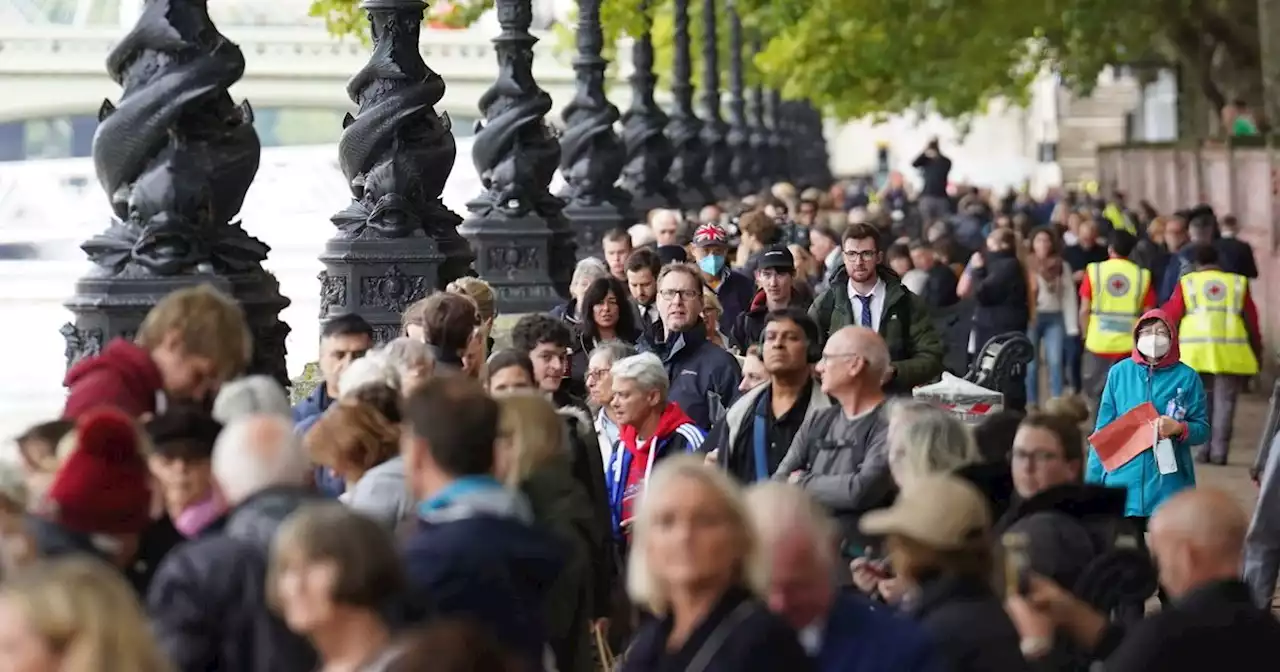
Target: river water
{"points": [[58, 204]]}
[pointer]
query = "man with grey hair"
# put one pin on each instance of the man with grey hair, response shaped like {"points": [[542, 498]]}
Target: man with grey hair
{"points": [[839, 455], [840, 630], [208, 598], [652, 427]]}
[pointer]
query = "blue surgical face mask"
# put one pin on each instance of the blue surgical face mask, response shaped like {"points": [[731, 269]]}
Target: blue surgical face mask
{"points": [[712, 264]]}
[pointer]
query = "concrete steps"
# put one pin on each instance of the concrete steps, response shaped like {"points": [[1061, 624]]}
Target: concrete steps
{"points": [[1085, 123]]}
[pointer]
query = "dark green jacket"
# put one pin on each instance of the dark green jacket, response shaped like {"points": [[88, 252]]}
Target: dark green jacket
{"points": [[915, 347], [560, 505]]}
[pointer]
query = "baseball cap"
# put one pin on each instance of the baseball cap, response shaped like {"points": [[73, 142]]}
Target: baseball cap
{"points": [[777, 256], [940, 510], [710, 234]]}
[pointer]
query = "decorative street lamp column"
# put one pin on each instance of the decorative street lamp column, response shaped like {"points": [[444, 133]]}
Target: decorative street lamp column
{"points": [[396, 242], [779, 136], [175, 157], [743, 179], [524, 247], [649, 150], [685, 129], [761, 154], [822, 158], [714, 130], [591, 154]]}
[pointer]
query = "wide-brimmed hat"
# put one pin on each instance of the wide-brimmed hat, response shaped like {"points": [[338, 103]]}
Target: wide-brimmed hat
{"points": [[941, 511]]}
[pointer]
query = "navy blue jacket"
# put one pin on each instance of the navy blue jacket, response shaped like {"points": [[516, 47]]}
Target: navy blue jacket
{"points": [[474, 554], [702, 375], [305, 415], [862, 637], [735, 293]]}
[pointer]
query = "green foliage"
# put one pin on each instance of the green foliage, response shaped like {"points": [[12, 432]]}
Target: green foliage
{"points": [[859, 58]]}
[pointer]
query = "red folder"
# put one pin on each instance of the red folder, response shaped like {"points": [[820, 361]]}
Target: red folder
{"points": [[1125, 437]]}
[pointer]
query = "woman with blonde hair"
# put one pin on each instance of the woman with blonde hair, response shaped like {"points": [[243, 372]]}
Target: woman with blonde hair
{"points": [[697, 567], [486, 304], [711, 312], [531, 457], [362, 447], [74, 614]]}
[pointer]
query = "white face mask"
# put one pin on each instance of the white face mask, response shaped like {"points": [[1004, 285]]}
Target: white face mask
{"points": [[1153, 346]]}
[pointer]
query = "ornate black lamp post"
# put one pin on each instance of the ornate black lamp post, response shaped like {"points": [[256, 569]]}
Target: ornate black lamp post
{"points": [[685, 129], [649, 151], [591, 154], [817, 168], [396, 242], [742, 165], [779, 136], [175, 157], [524, 246], [714, 129]]}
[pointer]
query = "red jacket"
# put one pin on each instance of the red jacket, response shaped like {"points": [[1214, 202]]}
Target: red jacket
{"points": [[123, 375]]}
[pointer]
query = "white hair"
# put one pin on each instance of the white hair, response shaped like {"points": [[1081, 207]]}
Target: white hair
{"points": [[925, 439], [645, 370], [641, 235], [642, 586], [256, 452], [374, 368], [251, 395], [588, 271], [406, 355], [778, 509], [615, 351]]}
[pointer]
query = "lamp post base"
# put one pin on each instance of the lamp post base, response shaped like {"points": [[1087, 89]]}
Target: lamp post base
{"points": [[378, 279], [513, 256], [108, 306]]}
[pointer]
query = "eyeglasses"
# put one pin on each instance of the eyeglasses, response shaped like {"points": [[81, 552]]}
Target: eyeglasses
{"points": [[865, 255], [1034, 456], [596, 374], [838, 355], [686, 294]]}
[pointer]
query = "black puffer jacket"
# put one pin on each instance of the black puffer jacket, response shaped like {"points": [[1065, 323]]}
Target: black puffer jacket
{"points": [[208, 598]]}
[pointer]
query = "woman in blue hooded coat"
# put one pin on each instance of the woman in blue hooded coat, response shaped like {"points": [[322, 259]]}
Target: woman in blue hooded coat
{"points": [[1153, 373]]}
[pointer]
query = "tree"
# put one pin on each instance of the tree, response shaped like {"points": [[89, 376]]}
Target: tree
{"points": [[873, 57]]}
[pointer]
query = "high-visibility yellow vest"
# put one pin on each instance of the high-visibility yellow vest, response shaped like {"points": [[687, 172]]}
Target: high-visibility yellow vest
{"points": [[1119, 220], [1119, 286], [1213, 336]]}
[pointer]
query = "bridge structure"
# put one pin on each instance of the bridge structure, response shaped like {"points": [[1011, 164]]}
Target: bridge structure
{"points": [[53, 65]]}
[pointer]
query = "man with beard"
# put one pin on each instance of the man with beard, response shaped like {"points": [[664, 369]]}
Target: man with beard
{"points": [[871, 297], [759, 428]]}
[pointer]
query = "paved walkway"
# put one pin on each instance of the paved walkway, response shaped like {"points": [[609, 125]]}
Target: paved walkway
{"points": [[1234, 477]]}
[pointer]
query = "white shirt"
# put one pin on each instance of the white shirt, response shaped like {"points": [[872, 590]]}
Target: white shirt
{"points": [[877, 304]]}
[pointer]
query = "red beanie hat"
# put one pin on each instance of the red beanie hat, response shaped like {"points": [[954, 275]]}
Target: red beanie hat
{"points": [[104, 487]]}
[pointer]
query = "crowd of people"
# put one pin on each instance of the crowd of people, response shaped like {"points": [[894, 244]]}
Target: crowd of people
{"points": [[707, 458]]}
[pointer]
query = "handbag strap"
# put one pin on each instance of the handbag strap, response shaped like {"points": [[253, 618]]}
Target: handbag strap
{"points": [[718, 637]]}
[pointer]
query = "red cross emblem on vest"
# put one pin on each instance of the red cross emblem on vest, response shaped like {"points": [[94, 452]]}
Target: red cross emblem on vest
{"points": [[1214, 290], [1117, 284]]}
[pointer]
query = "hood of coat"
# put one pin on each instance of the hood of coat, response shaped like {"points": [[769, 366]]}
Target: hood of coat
{"points": [[1170, 358]]}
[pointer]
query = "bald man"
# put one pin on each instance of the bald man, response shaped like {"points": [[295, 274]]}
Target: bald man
{"points": [[838, 455], [1197, 538], [841, 630], [666, 227]]}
